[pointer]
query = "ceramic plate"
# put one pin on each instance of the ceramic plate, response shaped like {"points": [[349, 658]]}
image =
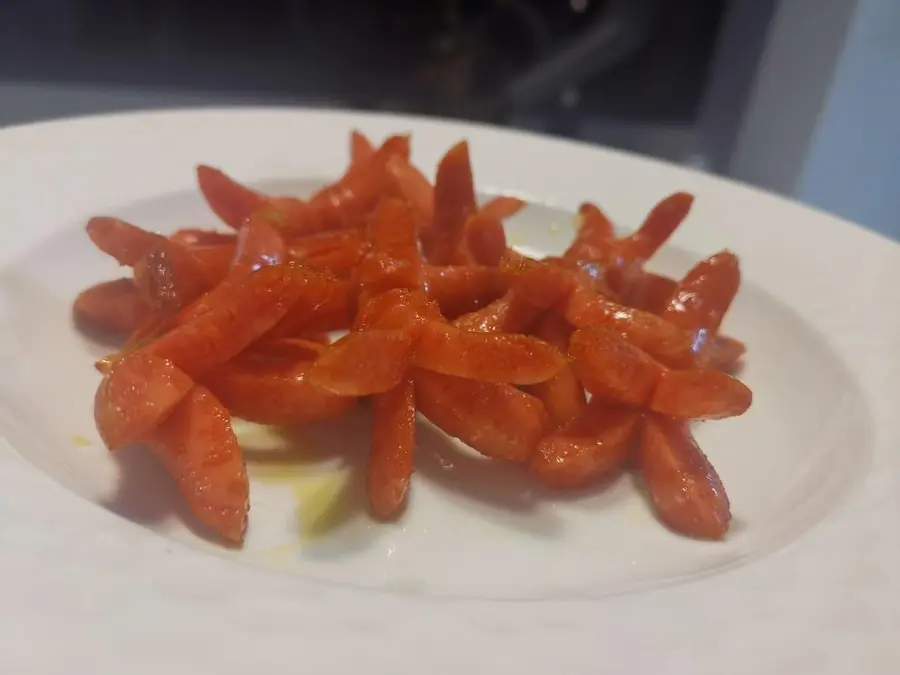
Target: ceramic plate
{"points": [[484, 572]]}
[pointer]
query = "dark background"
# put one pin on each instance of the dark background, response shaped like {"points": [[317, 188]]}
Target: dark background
{"points": [[581, 68]]}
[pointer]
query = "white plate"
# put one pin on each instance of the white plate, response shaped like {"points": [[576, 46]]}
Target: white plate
{"points": [[484, 573]]}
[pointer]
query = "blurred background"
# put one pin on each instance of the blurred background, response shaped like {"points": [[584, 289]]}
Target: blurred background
{"points": [[797, 96]]}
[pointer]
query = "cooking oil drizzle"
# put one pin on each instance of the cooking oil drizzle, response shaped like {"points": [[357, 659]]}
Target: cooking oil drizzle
{"points": [[325, 495]]}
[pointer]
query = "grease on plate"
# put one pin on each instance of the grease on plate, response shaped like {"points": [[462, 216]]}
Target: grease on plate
{"points": [[322, 502], [323, 494]]}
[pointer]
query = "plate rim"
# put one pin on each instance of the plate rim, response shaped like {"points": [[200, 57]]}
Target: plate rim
{"points": [[415, 119]]}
